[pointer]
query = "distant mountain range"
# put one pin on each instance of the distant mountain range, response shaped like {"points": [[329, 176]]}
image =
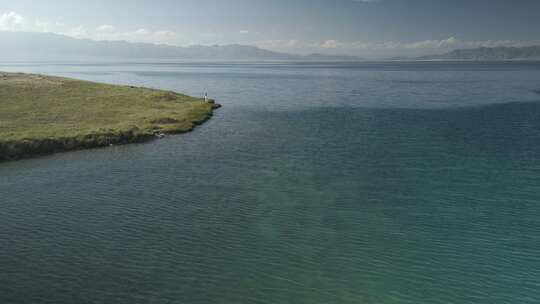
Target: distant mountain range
{"points": [[47, 46], [496, 53]]}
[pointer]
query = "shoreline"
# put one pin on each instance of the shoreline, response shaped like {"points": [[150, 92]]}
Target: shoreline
{"points": [[173, 113], [12, 150]]}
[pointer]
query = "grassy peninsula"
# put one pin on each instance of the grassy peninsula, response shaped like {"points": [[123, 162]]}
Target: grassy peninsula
{"points": [[44, 114]]}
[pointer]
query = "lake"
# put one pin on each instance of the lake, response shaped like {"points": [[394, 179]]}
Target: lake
{"points": [[375, 182]]}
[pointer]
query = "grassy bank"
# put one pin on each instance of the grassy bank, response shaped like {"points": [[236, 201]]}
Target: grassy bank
{"points": [[44, 114]]}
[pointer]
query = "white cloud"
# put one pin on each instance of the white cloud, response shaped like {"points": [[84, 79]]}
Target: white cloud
{"points": [[291, 44], [385, 48], [139, 35], [14, 22], [76, 32], [432, 44], [11, 22], [449, 43], [444, 44], [165, 33], [106, 28], [331, 44], [43, 26], [142, 32]]}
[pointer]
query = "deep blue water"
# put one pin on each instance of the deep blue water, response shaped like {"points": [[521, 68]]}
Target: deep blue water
{"points": [[316, 183]]}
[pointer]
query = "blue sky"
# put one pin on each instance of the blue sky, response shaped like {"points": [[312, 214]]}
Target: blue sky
{"points": [[369, 28]]}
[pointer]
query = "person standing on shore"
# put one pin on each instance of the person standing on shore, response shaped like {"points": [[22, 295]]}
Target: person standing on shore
{"points": [[205, 96]]}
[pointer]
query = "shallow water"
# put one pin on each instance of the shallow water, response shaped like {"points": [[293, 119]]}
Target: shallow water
{"points": [[316, 183]]}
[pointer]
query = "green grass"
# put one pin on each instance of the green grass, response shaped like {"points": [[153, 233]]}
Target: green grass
{"points": [[44, 114]]}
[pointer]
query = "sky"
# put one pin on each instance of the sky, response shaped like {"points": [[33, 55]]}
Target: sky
{"points": [[367, 28]]}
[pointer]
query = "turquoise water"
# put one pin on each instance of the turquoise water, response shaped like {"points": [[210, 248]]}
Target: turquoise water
{"points": [[316, 183]]}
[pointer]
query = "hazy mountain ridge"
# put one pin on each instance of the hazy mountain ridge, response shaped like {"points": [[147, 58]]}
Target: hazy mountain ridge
{"points": [[47, 45], [484, 53]]}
